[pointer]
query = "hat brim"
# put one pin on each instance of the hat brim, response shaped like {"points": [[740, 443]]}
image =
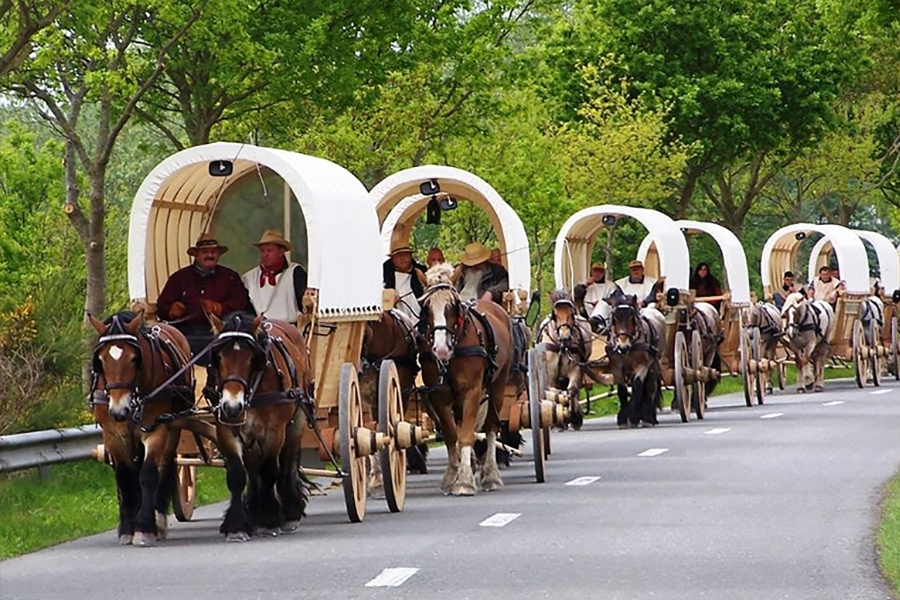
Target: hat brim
{"points": [[471, 261], [403, 250], [283, 243], [193, 250]]}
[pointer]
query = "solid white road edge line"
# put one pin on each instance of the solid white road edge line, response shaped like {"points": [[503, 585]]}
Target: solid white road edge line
{"points": [[880, 392], [771, 415], [500, 519], [833, 403], [653, 452], [717, 431], [393, 577], [583, 481]]}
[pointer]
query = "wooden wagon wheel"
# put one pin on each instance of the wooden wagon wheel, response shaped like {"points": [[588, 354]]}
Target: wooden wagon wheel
{"points": [[186, 493], [895, 349], [392, 456], [760, 376], [748, 378], [682, 363], [698, 391], [543, 385], [860, 364], [534, 410], [873, 354], [350, 418]]}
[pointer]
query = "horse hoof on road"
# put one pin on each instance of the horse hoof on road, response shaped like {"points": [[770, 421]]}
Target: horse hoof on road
{"points": [[819, 388], [162, 526], [240, 536], [461, 489], [125, 539], [144, 540], [290, 526]]}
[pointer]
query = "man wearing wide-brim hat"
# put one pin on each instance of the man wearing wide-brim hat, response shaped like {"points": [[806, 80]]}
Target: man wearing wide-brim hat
{"points": [[638, 284], [478, 276], [405, 276], [276, 285], [202, 287]]}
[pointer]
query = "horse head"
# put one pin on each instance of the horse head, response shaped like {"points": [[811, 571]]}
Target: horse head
{"points": [[563, 317], [625, 327], [442, 318], [239, 356], [117, 360], [794, 313]]}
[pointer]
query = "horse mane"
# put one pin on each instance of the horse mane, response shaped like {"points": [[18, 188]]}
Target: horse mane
{"points": [[559, 296], [441, 273], [116, 322]]}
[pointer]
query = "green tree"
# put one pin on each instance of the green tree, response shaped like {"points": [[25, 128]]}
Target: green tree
{"points": [[20, 21]]}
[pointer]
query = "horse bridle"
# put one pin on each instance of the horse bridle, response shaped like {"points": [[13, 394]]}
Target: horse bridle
{"points": [[99, 396], [427, 330], [260, 354], [635, 318]]}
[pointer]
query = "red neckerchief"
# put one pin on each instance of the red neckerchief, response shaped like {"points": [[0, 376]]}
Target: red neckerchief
{"points": [[268, 275]]}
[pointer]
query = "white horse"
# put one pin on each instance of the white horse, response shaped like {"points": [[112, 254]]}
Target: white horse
{"points": [[809, 325], [766, 318]]}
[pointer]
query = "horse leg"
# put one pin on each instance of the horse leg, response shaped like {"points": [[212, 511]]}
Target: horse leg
{"points": [[265, 513], [490, 472], [576, 416], [127, 467], [291, 488], [622, 416], [146, 529], [819, 356], [236, 524], [449, 431], [168, 482], [472, 406]]}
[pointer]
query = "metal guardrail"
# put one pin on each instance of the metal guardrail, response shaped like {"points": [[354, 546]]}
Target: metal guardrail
{"points": [[50, 447]]}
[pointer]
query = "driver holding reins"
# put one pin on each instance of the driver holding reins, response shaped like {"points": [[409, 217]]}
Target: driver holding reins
{"points": [[202, 286]]}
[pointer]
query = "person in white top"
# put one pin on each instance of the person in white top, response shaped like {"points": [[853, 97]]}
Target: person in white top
{"points": [[405, 276], [276, 285], [597, 289], [638, 284]]}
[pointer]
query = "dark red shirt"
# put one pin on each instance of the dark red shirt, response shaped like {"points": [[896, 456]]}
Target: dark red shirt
{"points": [[189, 285]]}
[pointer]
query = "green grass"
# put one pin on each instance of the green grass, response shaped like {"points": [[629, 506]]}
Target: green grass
{"points": [[888, 542], [77, 499]]}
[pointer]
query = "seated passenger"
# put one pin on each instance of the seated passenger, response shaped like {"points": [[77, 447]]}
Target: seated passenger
{"points": [[405, 276], [597, 289], [496, 257], [202, 286], [705, 284], [435, 257], [787, 287], [825, 287], [480, 278], [638, 284], [276, 286]]}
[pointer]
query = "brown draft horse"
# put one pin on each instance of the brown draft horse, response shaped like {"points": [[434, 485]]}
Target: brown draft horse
{"points": [[568, 341], [635, 341], [392, 337], [129, 365], [466, 362], [265, 387]]}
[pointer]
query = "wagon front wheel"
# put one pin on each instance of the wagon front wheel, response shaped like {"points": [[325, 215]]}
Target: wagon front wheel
{"points": [[350, 418], [392, 456], [186, 492], [748, 378], [860, 364], [698, 392], [682, 364], [534, 409], [895, 349], [761, 377]]}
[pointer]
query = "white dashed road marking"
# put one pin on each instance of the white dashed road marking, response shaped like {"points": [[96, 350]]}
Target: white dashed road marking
{"points": [[833, 403], [771, 415], [880, 392], [653, 452], [500, 519], [583, 481], [718, 431], [392, 577]]}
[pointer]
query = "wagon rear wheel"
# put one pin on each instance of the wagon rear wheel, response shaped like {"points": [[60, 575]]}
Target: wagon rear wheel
{"points": [[860, 364], [186, 492], [392, 457], [534, 410], [350, 418], [873, 354], [543, 385], [698, 391], [760, 376], [682, 363], [895, 349]]}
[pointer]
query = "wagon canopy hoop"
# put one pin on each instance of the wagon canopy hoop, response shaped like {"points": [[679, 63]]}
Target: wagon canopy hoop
{"points": [[575, 242], [885, 254], [399, 203], [781, 247]]}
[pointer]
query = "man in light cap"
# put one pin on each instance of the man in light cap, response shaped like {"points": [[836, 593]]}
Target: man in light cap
{"points": [[479, 277], [638, 284], [405, 276], [276, 285], [597, 288], [204, 286]]}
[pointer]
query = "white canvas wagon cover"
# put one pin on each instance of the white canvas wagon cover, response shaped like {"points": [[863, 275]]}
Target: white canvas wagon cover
{"points": [[737, 277], [176, 202], [779, 250], [885, 254], [398, 202], [575, 243]]}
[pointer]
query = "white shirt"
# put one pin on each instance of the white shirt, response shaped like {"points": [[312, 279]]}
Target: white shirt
{"points": [[471, 279], [408, 304], [596, 293], [641, 290], [278, 301]]}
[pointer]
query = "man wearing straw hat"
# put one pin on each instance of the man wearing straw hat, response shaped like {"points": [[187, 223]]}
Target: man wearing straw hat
{"points": [[276, 285], [405, 276], [478, 276], [203, 286]]}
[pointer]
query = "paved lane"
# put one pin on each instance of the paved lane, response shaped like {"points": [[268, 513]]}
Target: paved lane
{"points": [[737, 506]]}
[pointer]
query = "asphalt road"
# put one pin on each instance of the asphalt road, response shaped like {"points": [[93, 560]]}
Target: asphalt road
{"points": [[773, 502]]}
